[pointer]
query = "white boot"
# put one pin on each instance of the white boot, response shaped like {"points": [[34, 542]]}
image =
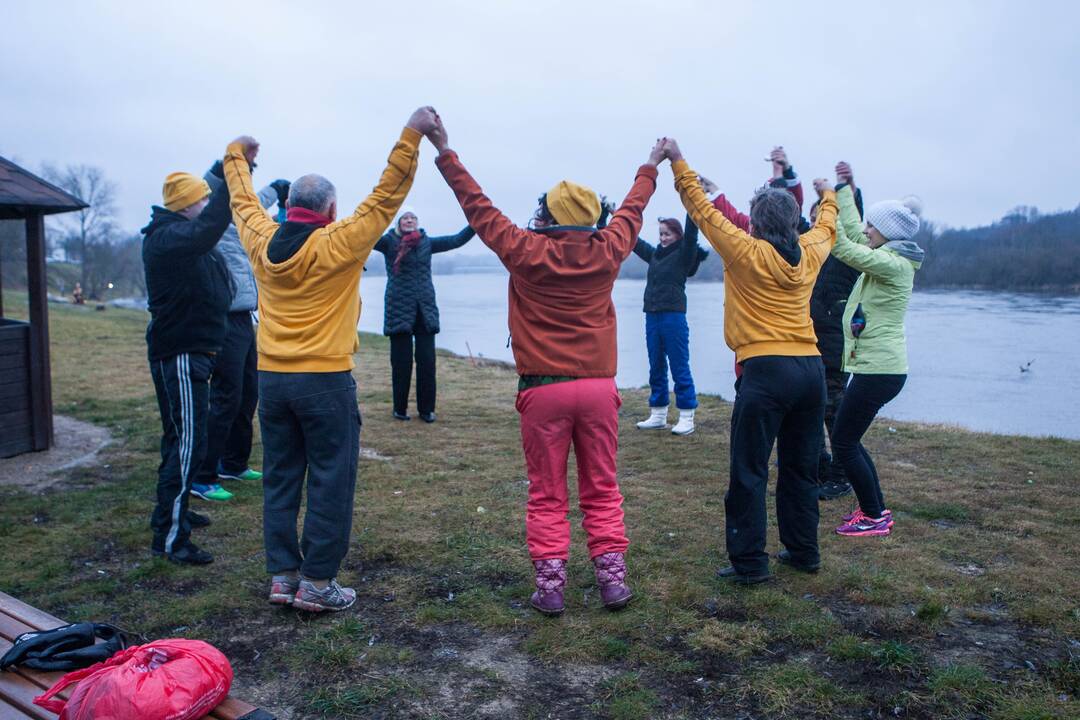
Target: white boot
{"points": [[657, 419], [685, 426]]}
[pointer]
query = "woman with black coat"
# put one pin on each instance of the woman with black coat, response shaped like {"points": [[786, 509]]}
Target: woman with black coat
{"points": [[410, 309]]}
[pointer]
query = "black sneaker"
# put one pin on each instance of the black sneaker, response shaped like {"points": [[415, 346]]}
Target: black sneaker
{"points": [[730, 573], [428, 417], [188, 554], [831, 489], [401, 416], [197, 520], [785, 558]]}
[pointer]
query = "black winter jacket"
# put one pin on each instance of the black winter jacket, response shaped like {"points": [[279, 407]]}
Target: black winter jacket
{"points": [[187, 282], [828, 301], [665, 286], [410, 292]]}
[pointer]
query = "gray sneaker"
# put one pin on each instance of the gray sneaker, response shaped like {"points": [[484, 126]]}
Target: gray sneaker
{"points": [[334, 597], [283, 589]]}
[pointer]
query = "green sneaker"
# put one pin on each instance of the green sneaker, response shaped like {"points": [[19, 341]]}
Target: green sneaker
{"points": [[248, 474], [211, 492]]}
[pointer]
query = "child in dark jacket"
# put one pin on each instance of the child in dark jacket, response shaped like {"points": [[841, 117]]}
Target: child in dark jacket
{"points": [[667, 334]]}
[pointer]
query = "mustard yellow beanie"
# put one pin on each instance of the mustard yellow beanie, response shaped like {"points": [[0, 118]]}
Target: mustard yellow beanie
{"points": [[573, 204], [183, 190]]}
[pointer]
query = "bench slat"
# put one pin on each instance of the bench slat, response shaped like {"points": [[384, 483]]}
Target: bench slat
{"points": [[16, 617], [20, 693]]}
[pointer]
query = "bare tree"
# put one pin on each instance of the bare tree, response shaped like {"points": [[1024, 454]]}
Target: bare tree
{"points": [[92, 226]]}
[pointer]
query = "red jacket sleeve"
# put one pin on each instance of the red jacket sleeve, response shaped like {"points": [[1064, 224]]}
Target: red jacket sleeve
{"points": [[623, 228], [734, 216], [497, 231]]}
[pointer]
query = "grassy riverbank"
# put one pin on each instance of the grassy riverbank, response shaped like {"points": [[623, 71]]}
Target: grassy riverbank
{"points": [[970, 608]]}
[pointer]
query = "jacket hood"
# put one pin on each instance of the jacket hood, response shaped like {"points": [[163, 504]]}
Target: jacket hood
{"points": [[160, 216], [907, 249]]}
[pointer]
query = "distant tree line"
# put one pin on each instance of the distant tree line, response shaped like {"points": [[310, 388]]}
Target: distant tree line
{"points": [[1024, 251]]}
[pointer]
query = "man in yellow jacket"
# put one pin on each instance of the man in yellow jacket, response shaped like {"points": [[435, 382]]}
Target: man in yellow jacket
{"points": [[308, 272]]}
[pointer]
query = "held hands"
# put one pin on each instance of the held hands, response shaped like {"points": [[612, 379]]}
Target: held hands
{"points": [[250, 148], [822, 186], [423, 120], [658, 153], [438, 136], [708, 185], [778, 158], [845, 175]]}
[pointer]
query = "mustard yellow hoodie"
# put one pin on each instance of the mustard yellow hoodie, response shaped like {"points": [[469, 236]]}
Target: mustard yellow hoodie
{"points": [[766, 300], [309, 304]]}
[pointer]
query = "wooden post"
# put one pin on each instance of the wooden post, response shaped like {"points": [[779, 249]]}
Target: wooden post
{"points": [[40, 373]]}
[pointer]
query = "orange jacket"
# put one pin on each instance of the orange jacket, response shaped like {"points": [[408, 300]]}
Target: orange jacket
{"points": [[562, 320]]}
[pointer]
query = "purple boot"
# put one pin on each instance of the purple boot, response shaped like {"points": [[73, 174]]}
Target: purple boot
{"points": [[550, 581], [611, 577]]}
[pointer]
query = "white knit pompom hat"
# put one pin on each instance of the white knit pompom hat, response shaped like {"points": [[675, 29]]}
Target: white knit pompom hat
{"points": [[896, 219], [405, 210]]}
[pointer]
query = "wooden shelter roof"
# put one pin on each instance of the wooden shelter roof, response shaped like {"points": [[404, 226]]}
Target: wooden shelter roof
{"points": [[22, 192]]}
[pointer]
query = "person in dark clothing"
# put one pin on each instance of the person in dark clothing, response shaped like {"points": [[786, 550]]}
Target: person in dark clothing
{"points": [[410, 309], [189, 292], [234, 386], [667, 334], [827, 305]]}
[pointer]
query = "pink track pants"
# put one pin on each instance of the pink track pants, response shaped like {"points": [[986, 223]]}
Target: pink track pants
{"points": [[585, 412]]}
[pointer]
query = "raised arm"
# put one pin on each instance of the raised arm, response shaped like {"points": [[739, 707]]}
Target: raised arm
{"points": [[644, 250], [729, 241], [197, 236], [622, 231], [356, 235], [860, 256], [253, 225], [446, 243]]}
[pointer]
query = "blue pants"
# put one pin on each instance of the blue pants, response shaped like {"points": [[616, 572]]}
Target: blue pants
{"points": [[667, 337]]}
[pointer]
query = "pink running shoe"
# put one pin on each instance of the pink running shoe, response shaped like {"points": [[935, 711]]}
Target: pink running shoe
{"points": [[858, 513], [863, 526]]}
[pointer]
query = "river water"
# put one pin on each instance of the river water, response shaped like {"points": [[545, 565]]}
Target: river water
{"points": [[965, 349]]}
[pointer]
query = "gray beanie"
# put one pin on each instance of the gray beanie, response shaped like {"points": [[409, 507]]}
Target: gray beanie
{"points": [[896, 219]]}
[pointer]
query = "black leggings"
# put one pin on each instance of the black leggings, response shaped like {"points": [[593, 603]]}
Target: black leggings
{"points": [[401, 363], [864, 397]]}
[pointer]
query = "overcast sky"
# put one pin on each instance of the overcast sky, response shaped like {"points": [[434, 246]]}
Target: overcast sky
{"points": [[972, 105]]}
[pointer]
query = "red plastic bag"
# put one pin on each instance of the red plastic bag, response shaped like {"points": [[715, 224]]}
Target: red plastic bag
{"points": [[162, 680]]}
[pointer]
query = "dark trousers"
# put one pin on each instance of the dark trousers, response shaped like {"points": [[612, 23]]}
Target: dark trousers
{"points": [[401, 365], [234, 393], [835, 382], [777, 399], [182, 386], [864, 397], [667, 337], [310, 425]]}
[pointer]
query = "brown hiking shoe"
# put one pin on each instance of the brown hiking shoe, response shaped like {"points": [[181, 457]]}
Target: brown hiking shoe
{"points": [[333, 597]]}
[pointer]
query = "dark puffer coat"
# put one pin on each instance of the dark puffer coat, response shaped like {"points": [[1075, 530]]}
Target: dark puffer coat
{"points": [[410, 292], [665, 285], [828, 301]]}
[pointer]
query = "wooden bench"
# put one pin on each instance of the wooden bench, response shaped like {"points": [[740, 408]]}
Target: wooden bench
{"points": [[19, 685]]}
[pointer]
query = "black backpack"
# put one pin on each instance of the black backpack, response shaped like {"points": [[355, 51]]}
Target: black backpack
{"points": [[65, 648]]}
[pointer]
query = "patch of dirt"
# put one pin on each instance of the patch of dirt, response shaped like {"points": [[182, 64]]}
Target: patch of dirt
{"points": [[77, 444]]}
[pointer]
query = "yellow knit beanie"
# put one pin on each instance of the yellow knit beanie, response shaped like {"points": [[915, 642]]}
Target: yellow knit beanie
{"points": [[573, 204], [183, 190]]}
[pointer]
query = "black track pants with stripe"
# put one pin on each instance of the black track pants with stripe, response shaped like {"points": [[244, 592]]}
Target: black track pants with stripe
{"points": [[183, 395]]}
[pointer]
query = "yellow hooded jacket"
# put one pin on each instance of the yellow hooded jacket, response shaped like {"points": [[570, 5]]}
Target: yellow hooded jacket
{"points": [[309, 304], [766, 300]]}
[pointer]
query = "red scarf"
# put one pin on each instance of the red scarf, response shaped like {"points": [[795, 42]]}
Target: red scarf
{"points": [[303, 215], [408, 242]]}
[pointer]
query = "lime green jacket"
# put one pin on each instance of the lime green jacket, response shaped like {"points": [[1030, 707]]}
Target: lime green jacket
{"points": [[882, 291]]}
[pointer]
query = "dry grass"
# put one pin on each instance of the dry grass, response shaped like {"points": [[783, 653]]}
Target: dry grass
{"points": [[969, 609]]}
